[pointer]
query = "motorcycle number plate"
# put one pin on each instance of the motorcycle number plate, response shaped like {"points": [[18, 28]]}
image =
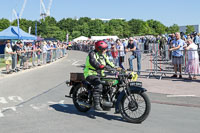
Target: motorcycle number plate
{"points": [[139, 84]]}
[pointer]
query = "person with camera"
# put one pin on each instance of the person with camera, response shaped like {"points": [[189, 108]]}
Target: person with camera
{"points": [[177, 54], [133, 47]]}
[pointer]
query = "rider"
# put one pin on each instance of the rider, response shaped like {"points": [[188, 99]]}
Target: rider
{"points": [[96, 62]]}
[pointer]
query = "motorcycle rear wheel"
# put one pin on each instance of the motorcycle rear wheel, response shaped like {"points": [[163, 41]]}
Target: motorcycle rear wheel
{"points": [[141, 106], [81, 99]]}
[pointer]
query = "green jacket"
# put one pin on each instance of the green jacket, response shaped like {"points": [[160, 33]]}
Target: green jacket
{"points": [[93, 62]]}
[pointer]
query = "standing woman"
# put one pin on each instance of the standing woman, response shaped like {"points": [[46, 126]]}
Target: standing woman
{"points": [[44, 50], [114, 53], [193, 59], [8, 56], [121, 53], [38, 52]]}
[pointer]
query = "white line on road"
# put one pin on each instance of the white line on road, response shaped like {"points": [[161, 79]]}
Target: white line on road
{"points": [[8, 108], [180, 95], [38, 106], [1, 114], [3, 100], [15, 98], [61, 103]]}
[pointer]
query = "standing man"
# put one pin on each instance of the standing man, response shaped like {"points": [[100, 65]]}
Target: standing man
{"points": [[14, 56], [133, 47], [177, 54]]}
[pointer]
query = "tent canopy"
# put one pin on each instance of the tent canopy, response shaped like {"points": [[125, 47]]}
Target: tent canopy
{"points": [[40, 39], [104, 37], [81, 38], [12, 33]]}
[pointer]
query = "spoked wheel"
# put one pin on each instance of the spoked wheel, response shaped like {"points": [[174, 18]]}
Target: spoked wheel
{"points": [[137, 109], [81, 98]]}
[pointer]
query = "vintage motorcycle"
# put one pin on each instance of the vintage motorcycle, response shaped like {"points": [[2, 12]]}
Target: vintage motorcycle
{"points": [[119, 91]]}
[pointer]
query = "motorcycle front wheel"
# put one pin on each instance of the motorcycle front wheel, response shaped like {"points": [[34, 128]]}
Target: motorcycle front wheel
{"points": [[135, 108]]}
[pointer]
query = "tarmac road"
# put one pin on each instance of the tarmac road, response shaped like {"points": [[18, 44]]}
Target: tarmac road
{"points": [[33, 101]]}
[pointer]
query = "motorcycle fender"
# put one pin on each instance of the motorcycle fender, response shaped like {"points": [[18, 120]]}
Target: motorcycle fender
{"points": [[73, 87], [122, 93], [71, 91]]}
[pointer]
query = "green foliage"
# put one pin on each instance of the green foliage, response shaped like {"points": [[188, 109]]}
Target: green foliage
{"points": [[172, 29], [4, 23], [189, 29], [139, 27], [50, 28], [156, 27]]}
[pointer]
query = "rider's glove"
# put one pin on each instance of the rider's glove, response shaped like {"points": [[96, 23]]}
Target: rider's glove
{"points": [[101, 66], [119, 69]]}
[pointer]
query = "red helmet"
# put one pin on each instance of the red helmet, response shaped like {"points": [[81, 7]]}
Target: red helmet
{"points": [[100, 46]]}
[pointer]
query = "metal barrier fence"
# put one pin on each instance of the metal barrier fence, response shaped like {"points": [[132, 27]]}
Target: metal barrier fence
{"points": [[29, 59], [155, 61]]}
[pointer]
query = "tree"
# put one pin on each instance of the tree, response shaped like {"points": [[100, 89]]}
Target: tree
{"points": [[172, 29], [189, 29], [117, 27], [96, 27], [50, 21], [76, 34], [68, 25], [83, 20], [87, 27], [156, 27], [4, 23], [139, 27]]}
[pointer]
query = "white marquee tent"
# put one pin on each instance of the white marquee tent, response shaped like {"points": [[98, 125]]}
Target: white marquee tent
{"points": [[104, 37], [81, 38]]}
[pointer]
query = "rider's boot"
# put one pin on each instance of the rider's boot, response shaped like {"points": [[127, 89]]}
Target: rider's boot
{"points": [[97, 107], [97, 102]]}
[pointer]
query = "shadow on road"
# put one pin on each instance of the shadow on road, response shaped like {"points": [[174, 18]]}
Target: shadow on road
{"points": [[69, 108]]}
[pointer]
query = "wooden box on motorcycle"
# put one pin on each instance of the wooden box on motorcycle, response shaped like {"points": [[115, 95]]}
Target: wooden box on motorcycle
{"points": [[76, 77]]}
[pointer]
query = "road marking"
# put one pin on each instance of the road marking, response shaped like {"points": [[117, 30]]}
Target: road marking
{"points": [[3, 100], [180, 95], [61, 103], [75, 63], [8, 108], [15, 98], [1, 114], [38, 106]]}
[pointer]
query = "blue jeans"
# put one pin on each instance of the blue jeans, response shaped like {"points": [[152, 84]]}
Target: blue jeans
{"points": [[130, 59], [116, 61], [121, 63]]}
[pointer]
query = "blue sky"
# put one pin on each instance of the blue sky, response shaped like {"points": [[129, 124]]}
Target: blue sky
{"points": [[168, 12]]}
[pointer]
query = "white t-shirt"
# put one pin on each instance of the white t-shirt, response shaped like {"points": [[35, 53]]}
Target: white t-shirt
{"points": [[192, 52], [121, 50], [45, 49], [7, 55]]}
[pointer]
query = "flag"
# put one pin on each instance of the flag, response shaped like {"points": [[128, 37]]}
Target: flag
{"points": [[67, 38], [19, 36], [36, 28]]}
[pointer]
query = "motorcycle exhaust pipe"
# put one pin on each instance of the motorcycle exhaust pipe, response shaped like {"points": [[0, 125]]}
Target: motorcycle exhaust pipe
{"points": [[107, 104]]}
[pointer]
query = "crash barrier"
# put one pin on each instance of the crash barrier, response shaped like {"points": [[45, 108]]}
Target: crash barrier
{"points": [[25, 60], [155, 60], [164, 62]]}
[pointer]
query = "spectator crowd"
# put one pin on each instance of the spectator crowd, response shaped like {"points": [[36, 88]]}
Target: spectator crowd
{"points": [[31, 54], [171, 47]]}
